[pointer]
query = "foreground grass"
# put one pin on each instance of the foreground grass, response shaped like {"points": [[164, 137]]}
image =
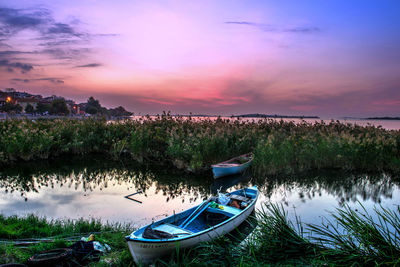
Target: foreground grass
{"points": [[21, 237], [278, 146], [352, 238], [32, 226]]}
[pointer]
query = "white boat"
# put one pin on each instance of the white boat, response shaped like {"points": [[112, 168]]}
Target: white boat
{"points": [[232, 166], [213, 218]]}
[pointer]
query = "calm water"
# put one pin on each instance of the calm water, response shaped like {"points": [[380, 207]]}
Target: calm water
{"points": [[95, 188]]}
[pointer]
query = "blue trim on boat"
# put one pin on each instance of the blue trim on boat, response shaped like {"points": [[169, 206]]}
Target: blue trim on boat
{"points": [[143, 240], [226, 168], [194, 217]]}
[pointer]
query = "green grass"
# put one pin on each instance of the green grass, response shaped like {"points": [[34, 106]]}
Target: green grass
{"points": [[362, 239], [278, 146], [33, 226], [352, 238], [349, 238], [56, 234]]}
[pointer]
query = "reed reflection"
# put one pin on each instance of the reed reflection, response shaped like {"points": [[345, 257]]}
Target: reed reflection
{"points": [[98, 173], [344, 186]]}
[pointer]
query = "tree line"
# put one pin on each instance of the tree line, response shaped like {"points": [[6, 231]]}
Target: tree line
{"points": [[59, 107]]}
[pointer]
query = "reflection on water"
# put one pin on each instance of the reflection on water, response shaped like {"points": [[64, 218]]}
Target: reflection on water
{"points": [[313, 195], [96, 188], [345, 187]]}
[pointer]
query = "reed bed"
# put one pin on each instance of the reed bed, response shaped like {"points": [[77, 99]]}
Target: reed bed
{"points": [[192, 145]]}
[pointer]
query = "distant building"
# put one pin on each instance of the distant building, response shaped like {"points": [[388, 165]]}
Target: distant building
{"points": [[22, 98], [76, 109], [82, 108], [45, 101], [38, 97], [21, 94], [3, 94], [6, 98], [73, 108], [9, 90], [23, 102], [3, 101], [52, 98]]}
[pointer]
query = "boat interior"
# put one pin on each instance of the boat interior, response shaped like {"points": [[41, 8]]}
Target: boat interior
{"points": [[208, 214], [235, 161]]}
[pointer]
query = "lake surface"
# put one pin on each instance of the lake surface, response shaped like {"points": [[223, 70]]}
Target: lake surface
{"points": [[95, 188]]}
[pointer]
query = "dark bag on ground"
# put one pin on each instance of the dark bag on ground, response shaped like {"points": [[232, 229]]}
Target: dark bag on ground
{"points": [[78, 254], [84, 252]]}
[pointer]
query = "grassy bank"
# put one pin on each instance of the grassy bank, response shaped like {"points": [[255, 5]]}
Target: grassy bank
{"points": [[351, 238], [278, 146], [22, 237]]}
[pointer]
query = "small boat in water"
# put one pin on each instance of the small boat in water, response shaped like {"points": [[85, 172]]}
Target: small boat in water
{"points": [[212, 218], [232, 166]]}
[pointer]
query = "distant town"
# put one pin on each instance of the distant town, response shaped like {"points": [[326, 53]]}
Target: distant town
{"points": [[13, 102], [16, 103]]}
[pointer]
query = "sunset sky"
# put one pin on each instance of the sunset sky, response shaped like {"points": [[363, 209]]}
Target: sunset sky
{"points": [[329, 58]]}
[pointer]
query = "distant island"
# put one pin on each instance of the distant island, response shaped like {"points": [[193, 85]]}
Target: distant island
{"points": [[257, 115], [382, 118]]}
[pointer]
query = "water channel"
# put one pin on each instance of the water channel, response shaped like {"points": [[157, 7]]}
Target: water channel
{"points": [[94, 187]]}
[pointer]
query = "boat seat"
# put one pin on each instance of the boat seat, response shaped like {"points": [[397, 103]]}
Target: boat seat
{"points": [[172, 229], [228, 210], [226, 165]]}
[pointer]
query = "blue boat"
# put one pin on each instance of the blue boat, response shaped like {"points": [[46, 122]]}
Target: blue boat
{"points": [[232, 166], [212, 218]]}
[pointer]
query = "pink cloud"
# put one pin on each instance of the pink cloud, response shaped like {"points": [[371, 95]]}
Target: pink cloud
{"points": [[387, 102], [155, 101]]}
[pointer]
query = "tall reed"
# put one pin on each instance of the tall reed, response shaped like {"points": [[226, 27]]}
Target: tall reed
{"points": [[351, 238], [278, 146]]}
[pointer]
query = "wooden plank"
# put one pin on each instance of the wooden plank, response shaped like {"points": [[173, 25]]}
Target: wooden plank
{"points": [[129, 197]]}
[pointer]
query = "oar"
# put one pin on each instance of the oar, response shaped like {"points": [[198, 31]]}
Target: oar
{"points": [[196, 215], [198, 210]]}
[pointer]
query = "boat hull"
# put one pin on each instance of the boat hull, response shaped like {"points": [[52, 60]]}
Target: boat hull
{"points": [[225, 171], [145, 251]]}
